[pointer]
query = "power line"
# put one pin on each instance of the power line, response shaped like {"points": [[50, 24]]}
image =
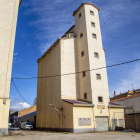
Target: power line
{"points": [[81, 71], [19, 92]]}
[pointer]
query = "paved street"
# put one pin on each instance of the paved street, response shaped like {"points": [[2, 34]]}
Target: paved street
{"points": [[37, 135]]}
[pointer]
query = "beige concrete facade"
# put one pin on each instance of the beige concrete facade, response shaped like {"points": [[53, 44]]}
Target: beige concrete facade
{"points": [[8, 16], [65, 57]]}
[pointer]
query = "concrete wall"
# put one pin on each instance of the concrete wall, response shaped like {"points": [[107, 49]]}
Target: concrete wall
{"points": [[68, 82], [115, 113], [89, 84], [49, 89], [82, 63], [132, 101], [8, 16], [83, 112], [67, 117], [99, 87]]}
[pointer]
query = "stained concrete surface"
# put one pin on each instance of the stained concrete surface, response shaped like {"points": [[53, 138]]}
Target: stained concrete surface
{"points": [[37, 135]]}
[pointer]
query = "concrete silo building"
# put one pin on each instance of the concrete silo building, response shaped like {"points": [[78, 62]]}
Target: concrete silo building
{"points": [[81, 100], [8, 16]]}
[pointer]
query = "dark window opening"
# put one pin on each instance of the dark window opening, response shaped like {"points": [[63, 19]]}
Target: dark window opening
{"points": [[82, 53], [100, 99], [85, 96], [91, 12], [81, 35], [84, 73]]}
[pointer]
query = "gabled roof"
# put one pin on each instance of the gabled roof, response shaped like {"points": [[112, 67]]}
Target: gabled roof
{"points": [[83, 5]]}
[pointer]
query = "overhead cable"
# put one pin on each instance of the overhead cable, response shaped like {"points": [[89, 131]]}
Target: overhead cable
{"points": [[81, 71], [19, 92]]}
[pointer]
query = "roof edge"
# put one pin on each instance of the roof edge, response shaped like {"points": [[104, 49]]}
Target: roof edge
{"points": [[83, 5], [20, 3]]}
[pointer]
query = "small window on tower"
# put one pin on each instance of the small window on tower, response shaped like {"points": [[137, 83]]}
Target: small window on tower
{"points": [[79, 15], [98, 76], [82, 53], [85, 95], [96, 55], [81, 35], [100, 99], [92, 24], [91, 12], [84, 73], [94, 36]]}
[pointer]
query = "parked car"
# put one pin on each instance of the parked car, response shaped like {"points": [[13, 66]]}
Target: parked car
{"points": [[11, 128], [26, 125]]}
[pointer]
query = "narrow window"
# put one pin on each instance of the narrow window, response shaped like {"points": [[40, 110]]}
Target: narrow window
{"points": [[84, 73], [81, 35], [98, 76], [82, 53], [91, 12], [85, 95], [92, 24], [79, 15], [100, 99], [94, 36], [96, 55]]}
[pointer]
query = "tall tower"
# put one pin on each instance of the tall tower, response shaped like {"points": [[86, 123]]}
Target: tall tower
{"points": [[8, 16], [92, 86]]}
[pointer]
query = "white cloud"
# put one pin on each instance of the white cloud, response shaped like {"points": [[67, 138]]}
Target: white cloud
{"points": [[15, 54], [53, 20], [131, 76], [17, 105]]}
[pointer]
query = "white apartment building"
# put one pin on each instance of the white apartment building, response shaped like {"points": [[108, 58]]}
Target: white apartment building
{"points": [[82, 98], [8, 16]]}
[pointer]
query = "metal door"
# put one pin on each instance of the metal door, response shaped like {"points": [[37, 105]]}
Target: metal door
{"points": [[101, 123], [114, 123]]}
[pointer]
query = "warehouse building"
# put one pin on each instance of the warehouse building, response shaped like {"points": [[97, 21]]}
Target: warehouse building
{"points": [[79, 100]]}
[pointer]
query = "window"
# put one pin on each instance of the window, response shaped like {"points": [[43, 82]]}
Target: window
{"points": [[94, 36], [100, 99], [96, 55], [79, 15], [91, 12], [121, 122], [98, 76], [84, 73], [82, 53], [85, 95], [81, 35], [93, 24]]}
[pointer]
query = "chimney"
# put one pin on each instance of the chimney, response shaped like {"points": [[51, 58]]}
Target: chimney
{"points": [[120, 93], [114, 93]]}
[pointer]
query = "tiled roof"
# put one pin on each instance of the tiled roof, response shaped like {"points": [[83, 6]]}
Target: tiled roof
{"points": [[114, 104], [75, 101], [125, 97]]}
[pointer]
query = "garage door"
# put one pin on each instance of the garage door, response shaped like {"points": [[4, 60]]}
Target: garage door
{"points": [[101, 123]]}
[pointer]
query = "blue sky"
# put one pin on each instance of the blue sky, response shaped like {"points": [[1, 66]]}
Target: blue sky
{"points": [[40, 22]]}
